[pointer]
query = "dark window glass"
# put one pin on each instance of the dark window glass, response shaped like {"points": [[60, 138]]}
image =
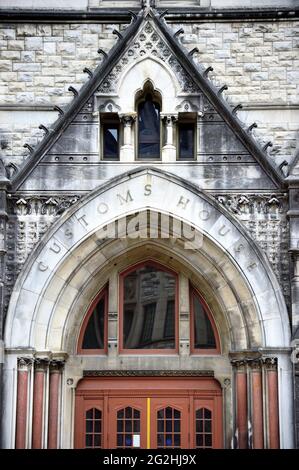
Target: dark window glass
{"points": [[93, 428], [149, 309], [203, 332], [127, 427], [110, 141], [148, 129], [186, 140], [94, 332], [168, 428], [204, 434]]}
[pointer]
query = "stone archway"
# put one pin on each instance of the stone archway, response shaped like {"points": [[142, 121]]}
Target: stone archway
{"points": [[73, 259]]}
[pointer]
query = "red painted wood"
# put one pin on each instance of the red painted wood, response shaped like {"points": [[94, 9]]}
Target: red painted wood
{"points": [[241, 391], [257, 410], [179, 404], [112, 393], [21, 418], [53, 409], [273, 409], [38, 400]]}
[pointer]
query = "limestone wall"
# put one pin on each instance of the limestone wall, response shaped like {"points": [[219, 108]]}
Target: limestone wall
{"points": [[257, 60]]}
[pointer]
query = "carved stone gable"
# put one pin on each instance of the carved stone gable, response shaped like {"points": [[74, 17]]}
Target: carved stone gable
{"points": [[148, 43]]}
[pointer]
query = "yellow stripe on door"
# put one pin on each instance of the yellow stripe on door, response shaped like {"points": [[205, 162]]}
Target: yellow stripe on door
{"points": [[148, 423]]}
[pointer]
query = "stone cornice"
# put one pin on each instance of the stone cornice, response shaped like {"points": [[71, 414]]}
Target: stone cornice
{"points": [[121, 15]]}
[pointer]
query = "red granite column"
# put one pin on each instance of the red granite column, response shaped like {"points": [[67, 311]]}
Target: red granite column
{"points": [[22, 402], [257, 405], [38, 404], [241, 408], [273, 407], [55, 373]]}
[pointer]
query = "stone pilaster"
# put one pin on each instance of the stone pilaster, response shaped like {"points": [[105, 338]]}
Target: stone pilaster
{"points": [[169, 149], [257, 408], [270, 366], [23, 377], [241, 399], [127, 151], [56, 367], [4, 184], [40, 370]]}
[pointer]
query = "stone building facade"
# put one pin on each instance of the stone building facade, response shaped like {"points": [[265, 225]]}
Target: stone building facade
{"points": [[149, 228]]}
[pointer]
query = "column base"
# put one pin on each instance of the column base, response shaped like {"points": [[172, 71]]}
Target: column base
{"points": [[169, 153], [127, 153]]}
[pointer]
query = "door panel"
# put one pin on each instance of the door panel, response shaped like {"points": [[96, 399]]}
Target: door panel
{"points": [[169, 423], [90, 422], [127, 423], [164, 414], [207, 424]]}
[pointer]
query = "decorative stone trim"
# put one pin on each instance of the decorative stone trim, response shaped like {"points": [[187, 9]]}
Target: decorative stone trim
{"points": [[148, 373]]}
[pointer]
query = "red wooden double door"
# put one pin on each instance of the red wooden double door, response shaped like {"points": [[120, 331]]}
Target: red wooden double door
{"points": [[148, 413]]}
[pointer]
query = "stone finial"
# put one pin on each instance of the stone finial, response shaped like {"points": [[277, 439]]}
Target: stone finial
{"points": [[117, 33], [163, 14], [31, 149], [208, 70], [73, 90], [222, 89], [60, 111], [88, 71], [101, 51], [237, 108], [178, 32], [44, 128], [252, 126], [268, 144]]}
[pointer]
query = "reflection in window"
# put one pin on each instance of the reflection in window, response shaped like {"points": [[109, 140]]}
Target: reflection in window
{"points": [[94, 332], [186, 140], [204, 436], [149, 128], [110, 141], [93, 428], [204, 337], [128, 428], [149, 309], [168, 428]]}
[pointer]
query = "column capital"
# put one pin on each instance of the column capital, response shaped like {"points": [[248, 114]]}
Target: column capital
{"points": [[169, 118], [239, 364], [270, 363], [41, 364], [255, 364], [24, 363], [128, 119], [56, 366]]}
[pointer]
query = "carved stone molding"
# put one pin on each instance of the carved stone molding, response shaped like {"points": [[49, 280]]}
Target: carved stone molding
{"points": [[148, 44], [148, 373], [40, 205], [253, 203], [264, 217], [24, 363], [255, 363], [41, 364], [56, 366], [270, 363]]}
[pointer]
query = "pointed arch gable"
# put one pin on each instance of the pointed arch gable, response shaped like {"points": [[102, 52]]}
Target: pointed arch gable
{"points": [[52, 278]]}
